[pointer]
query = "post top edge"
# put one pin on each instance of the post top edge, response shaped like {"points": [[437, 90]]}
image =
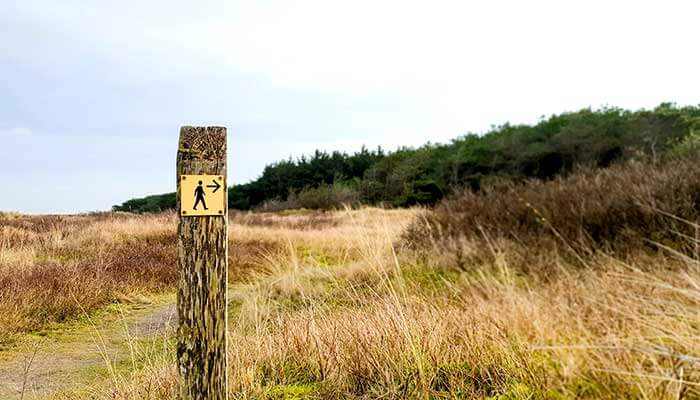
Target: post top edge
{"points": [[187, 127]]}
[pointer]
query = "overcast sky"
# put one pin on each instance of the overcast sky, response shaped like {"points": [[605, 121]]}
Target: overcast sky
{"points": [[92, 93]]}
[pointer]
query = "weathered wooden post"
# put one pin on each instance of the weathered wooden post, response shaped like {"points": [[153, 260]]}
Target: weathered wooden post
{"points": [[202, 263]]}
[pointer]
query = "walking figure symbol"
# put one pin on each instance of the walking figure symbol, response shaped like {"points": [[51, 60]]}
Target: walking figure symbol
{"points": [[199, 195]]}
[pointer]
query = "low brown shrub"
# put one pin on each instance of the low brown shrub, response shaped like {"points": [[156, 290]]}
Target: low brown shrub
{"points": [[47, 292], [53, 268], [323, 197], [619, 209]]}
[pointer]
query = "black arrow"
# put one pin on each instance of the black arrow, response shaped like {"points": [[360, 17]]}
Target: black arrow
{"points": [[216, 186]]}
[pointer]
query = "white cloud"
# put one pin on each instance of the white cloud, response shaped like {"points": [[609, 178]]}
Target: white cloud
{"points": [[439, 51], [466, 65]]}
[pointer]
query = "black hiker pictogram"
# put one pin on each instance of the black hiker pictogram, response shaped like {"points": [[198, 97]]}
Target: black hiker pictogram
{"points": [[199, 195]]}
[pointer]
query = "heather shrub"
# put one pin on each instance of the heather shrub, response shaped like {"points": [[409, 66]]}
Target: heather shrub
{"points": [[618, 209], [322, 197], [54, 268], [326, 197]]}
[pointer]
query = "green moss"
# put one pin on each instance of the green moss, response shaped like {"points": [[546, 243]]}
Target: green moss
{"points": [[304, 391], [146, 352], [319, 256], [82, 327], [522, 391], [429, 278], [584, 388]]}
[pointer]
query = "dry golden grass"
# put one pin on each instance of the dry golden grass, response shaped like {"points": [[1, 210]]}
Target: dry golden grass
{"points": [[326, 305], [334, 310], [54, 268]]}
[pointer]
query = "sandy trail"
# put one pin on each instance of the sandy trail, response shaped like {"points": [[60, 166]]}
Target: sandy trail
{"points": [[39, 365]]}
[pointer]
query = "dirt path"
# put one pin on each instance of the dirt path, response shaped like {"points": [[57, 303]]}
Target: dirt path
{"points": [[75, 355]]}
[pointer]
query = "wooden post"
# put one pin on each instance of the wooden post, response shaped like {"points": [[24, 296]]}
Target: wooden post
{"points": [[202, 267]]}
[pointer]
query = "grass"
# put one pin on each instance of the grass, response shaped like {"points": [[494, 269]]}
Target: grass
{"points": [[53, 269], [101, 346], [381, 325], [337, 305]]}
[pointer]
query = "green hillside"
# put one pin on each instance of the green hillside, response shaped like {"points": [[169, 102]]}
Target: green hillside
{"points": [[552, 147]]}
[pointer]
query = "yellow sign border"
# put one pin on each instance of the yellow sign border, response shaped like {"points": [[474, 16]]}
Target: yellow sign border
{"points": [[213, 195]]}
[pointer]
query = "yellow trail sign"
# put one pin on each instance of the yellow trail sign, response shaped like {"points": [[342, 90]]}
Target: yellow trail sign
{"points": [[202, 195]]}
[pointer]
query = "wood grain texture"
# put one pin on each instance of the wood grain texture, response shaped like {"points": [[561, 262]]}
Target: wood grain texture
{"points": [[202, 247]]}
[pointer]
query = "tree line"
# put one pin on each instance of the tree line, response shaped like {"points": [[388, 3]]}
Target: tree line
{"points": [[407, 176]]}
